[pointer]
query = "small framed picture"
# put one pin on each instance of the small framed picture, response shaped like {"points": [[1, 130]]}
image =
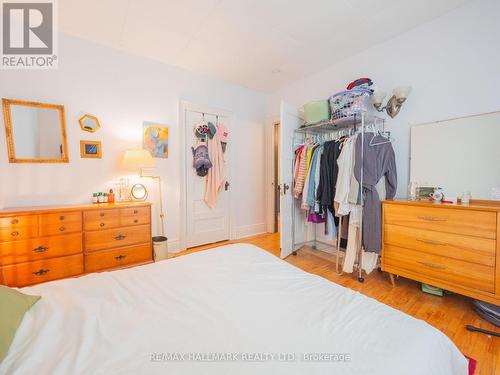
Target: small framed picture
{"points": [[155, 139], [90, 149]]}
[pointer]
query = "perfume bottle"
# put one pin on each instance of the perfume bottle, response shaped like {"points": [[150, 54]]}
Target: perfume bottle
{"points": [[412, 190]]}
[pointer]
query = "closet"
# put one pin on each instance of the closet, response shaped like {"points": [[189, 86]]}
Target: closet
{"points": [[336, 166]]}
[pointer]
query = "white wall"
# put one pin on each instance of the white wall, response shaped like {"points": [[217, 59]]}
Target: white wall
{"points": [[123, 91], [453, 64]]}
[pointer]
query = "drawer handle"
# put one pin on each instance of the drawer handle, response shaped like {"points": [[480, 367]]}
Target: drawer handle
{"points": [[102, 224], [40, 249], [432, 265], [432, 218], [61, 218], [102, 214], [41, 272], [15, 234], [62, 229], [432, 242], [120, 237], [15, 221], [136, 211], [120, 257], [136, 221]]}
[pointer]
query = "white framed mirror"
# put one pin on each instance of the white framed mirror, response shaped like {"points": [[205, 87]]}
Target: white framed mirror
{"points": [[459, 155]]}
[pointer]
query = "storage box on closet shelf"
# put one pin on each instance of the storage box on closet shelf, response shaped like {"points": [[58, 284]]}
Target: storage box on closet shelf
{"points": [[346, 107], [348, 104]]}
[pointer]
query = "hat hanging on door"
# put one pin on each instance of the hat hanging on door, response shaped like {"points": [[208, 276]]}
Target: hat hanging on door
{"points": [[201, 131], [211, 130], [201, 161], [223, 135]]}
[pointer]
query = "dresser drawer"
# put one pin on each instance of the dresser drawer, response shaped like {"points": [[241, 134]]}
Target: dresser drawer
{"points": [[60, 228], [130, 220], [13, 222], [120, 257], [18, 233], [117, 237], [135, 216], [135, 211], [466, 248], [40, 248], [23, 274], [452, 271], [61, 218], [101, 219], [449, 220]]}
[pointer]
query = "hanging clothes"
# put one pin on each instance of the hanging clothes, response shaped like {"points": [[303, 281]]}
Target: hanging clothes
{"points": [[296, 162], [301, 164], [330, 227], [345, 164], [353, 239], [313, 178], [306, 176], [216, 177], [309, 176], [378, 161], [328, 174]]}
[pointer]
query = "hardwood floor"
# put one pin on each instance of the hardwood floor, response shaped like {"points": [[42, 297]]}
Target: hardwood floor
{"points": [[449, 313]]}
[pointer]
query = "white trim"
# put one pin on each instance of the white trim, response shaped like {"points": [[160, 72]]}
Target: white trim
{"points": [[269, 170], [183, 107], [174, 246], [250, 230]]}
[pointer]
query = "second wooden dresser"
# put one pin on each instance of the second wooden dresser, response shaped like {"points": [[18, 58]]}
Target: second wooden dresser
{"points": [[449, 246], [49, 243]]}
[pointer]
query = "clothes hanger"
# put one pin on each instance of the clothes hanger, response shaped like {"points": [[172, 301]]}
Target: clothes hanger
{"points": [[386, 135]]}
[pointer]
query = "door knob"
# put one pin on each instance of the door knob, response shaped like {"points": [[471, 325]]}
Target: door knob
{"points": [[226, 186], [285, 188]]}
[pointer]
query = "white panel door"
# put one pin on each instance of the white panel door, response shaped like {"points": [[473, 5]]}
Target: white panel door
{"points": [[289, 121], [204, 225]]}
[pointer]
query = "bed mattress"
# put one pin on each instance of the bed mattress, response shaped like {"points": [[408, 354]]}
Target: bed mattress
{"points": [[230, 310]]}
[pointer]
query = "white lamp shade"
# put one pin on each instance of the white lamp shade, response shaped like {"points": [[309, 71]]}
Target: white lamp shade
{"points": [[136, 159], [402, 92], [378, 97]]}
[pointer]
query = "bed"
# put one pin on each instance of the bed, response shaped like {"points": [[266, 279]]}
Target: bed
{"points": [[235, 309]]}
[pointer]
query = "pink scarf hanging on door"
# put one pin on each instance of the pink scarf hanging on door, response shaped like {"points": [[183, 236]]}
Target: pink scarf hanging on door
{"points": [[216, 176]]}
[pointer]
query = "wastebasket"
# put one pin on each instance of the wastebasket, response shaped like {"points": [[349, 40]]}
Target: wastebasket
{"points": [[160, 248]]}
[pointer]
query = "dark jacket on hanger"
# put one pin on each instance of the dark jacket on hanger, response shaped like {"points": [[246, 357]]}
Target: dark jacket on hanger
{"points": [[379, 160], [328, 175]]}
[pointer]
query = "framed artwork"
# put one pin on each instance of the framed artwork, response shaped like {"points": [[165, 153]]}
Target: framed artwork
{"points": [[90, 149], [155, 139]]}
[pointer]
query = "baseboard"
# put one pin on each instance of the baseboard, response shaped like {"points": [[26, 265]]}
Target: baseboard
{"points": [[240, 232], [250, 230], [174, 246]]}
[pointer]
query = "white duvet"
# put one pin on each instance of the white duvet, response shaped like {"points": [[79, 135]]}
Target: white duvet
{"points": [[231, 310]]}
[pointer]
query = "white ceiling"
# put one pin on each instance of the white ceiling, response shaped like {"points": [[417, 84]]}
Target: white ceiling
{"points": [[261, 44]]}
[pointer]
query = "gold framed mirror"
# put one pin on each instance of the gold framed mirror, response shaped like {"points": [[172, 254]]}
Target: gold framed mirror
{"points": [[139, 192], [35, 132], [89, 123]]}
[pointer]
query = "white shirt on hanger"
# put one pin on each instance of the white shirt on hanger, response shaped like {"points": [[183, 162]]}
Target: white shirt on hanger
{"points": [[345, 162]]}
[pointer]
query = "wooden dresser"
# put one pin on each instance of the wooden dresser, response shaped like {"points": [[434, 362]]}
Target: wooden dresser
{"points": [[453, 247], [40, 244]]}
